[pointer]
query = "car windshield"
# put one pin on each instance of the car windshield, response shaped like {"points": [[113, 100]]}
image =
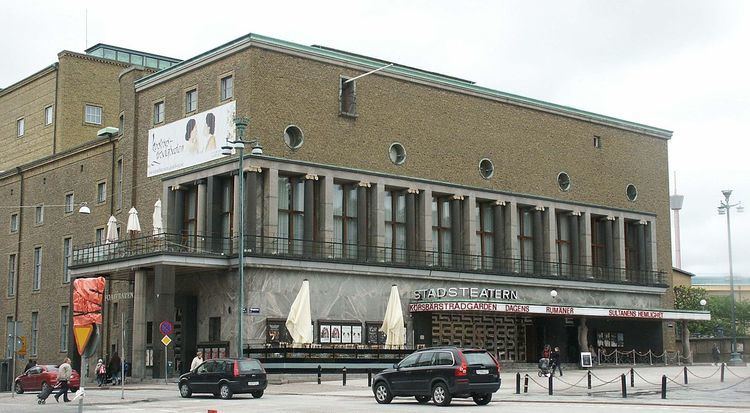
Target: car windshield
{"points": [[480, 358], [249, 366]]}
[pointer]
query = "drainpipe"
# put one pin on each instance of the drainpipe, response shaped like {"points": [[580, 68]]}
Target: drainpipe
{"points": [[16, 290]]}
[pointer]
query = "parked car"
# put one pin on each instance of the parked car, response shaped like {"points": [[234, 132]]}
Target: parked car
{"points": [[440, 374], [43, 375], [224, 378]]}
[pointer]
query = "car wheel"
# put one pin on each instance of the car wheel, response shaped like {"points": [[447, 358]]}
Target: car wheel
{"points": [[19, 388], [185, 390], [257, 394], [440, 395], [482, 399], [382, 393], [225, 392], [422, 399]]}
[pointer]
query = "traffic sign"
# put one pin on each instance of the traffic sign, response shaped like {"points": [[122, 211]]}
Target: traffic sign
{"points": [[166, 327], [166, 340]]}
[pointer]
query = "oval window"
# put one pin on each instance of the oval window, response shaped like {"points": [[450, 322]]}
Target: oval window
{"points": [[563, 181], [293, 136], [486, 168], [397, 153], [632, 192]]}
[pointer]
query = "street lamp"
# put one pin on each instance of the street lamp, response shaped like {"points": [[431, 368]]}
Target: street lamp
{"points": [[239, 143], [724, 209]]}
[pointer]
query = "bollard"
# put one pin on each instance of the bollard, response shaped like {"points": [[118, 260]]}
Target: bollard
{"points": [[678, 359], [650, 358], [550, 384], [369, 378], [624, 386], [617, 360], [518, 383], [589, 379], [684, 373], [632, 378], [320, 372], [344, 376], [663, 386], [634, 355], [526, 384], [722, 372]]}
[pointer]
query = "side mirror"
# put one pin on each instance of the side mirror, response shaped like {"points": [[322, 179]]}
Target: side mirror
{"points": [[396, 366]]}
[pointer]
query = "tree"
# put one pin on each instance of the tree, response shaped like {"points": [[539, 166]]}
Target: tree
{"points": [[688, 298]]}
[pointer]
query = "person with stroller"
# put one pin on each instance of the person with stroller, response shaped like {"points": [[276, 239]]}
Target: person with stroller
{"points": [[64, 372], [544, 363], [555, 361], [101, 372]]}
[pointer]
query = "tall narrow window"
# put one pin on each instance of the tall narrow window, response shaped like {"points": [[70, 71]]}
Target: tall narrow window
{"points": [[9, 333], [441, 230], [37, 281], [34, 332], [69, 202], [99, 236], [158, 112], [13, 222], [347, 97], [48, 115], [191, 100], [632, 254], [119, 183], [345, 220], [563, 241], [12, 275], [485, 236], [598, 242], [39, 214], [395, 226], [291, 214], [227, 87], [64, 325], [67, 257], [190, 223], [20, 127], [526, 238], [227, 206], [93, 114], [101, 192]]}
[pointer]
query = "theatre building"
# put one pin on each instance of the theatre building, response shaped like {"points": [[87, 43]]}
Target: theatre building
{"points": [[506, 222]]}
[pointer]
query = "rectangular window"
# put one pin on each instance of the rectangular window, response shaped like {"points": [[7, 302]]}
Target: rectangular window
{"points": [[598, 242], [8, 333], [395, 226], [158, 112], [441, 230], [48, 115], [227, 87], [101, 192], [99, 236], [64, 324], [190, 214], [291, 214], [526, 238], [563, 240], [597, 142], [347, 97], [345, 220], [13, 222], [67, 257], [34, 332], [191, 100], [214, 328], [119, 183], [39, 214], [485, 237], [12, 266], [227, 207], [37, 282], [20, 127], [93, 114], [69, 202]]}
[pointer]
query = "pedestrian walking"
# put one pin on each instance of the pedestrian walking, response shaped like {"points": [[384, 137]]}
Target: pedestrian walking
{"points": [[555, 359], [101, 372], [197, 360], [114, 368], [64, 372], [716, 354]]}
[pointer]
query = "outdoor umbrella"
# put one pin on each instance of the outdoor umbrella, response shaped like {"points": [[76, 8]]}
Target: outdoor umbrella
{"points": [[299, 322], [393, 321], [134, 225], [156, 218], [111, 230]]}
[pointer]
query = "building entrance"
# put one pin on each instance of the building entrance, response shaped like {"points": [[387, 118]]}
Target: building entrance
{"points": [[503, 336]]}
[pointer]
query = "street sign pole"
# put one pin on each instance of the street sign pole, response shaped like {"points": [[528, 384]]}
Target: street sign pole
{"points": [[122, 369], [13, 363], [166, 346]]}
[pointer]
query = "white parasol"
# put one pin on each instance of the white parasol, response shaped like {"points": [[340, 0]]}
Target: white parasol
{"points": [[134, 225], [299, 322], [111, 235], [156, 218], [393, 321]]}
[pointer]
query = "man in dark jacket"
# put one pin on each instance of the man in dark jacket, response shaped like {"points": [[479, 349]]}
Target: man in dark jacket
{"points": [[555, 361], [114, 368]]}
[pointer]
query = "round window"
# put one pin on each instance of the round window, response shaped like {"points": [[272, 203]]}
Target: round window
{"points": [[563, 181], [397, 153], [486, 168], [632, 192], [293, 136]]}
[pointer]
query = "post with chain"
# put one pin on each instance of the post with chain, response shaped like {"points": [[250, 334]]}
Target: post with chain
{"points": [[344, 376], [624, 383], [518, 383], [320, 371], [369, 378], [650, 358], [526, 383], [551, 377], [722, 372], [632, 378], [663, 386], [684, 374], [617, 360], [588, 374]]}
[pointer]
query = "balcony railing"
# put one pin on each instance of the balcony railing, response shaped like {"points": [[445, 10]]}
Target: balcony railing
{"points": [[297, 249]]}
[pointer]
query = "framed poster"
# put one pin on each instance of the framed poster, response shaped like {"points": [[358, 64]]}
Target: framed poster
{"points": [[346, 334], [357, 334], [325, 333], [586, 360], [335, 334], [276, 332]]}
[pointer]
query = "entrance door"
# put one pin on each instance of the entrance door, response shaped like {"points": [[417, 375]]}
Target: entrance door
{"points": [[185, 331]]}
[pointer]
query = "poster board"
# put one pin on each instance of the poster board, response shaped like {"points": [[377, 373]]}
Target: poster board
{"points": [[586, 360]]}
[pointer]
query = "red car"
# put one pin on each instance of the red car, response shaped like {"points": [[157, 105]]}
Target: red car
{"points": [[43, 375]]}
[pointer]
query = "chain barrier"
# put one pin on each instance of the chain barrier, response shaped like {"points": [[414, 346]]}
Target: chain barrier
{"points": [[708, 390], [644, 379], [734, 374], [604, 383], [570, 386], [702, 377], [534, 381]]}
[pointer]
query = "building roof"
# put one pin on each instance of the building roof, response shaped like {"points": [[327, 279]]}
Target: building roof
{"points": [[400, 71], [683, 272], [130, 56]]}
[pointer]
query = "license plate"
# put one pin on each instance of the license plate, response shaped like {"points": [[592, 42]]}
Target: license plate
{"points": [[483, 371], [253, 383]]}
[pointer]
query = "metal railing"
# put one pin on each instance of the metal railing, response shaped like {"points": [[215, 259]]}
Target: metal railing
{"points": [[277, 247]]}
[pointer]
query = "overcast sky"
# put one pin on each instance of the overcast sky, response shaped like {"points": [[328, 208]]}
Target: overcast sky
{"points": [[680, 65]]}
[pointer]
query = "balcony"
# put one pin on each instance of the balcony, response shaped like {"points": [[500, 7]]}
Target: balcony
{"points": [[297, 249]]}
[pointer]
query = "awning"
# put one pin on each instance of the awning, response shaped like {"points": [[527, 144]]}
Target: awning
{"points": [[561, 310]]}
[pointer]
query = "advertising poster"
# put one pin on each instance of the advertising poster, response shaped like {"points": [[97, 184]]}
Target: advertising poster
{"points": [[325, 333], [357, 334], [335, 334], [346, 334], [190, 141]]}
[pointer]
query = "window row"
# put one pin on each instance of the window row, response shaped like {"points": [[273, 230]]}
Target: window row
{"points": [[33, 343], [48, 115], [36, 281], [226, 92]]}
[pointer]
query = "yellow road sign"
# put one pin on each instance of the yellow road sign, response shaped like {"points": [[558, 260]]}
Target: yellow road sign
{"points": [[166, 340]]}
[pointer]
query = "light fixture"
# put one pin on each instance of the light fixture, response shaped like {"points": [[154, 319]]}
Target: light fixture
{"points": [[84, 208], [722, 211], [553, 293], [703, 302], [257, 149], [226, 150], [740, 208]]}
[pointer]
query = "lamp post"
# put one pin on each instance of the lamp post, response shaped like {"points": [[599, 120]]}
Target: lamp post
{"points": [[238, 143], [725, 207]]}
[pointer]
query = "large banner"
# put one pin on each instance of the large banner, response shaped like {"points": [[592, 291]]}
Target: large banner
{"points": [[190, 141]]}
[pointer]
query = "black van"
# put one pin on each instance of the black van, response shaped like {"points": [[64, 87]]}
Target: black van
{"points": [[225, 377], [440, 374]]}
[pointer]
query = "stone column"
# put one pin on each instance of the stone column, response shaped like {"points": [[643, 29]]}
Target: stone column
{"points": [[139, 325], [252, 174], [271, 208], [642, 245], [551, 255], [586, 237], [377, 226], [327, 213], [309, 219], [512, 244], [200, 215], [411, 223], [177, 215], [538, 240], [362, 235], [686, 343], [653, 261], [235, 210], [164, 283], [609, 242], [470, 224], [574, 229], [457, 231], [619, 235], [424, 224], [500, 263], [583, 335]]}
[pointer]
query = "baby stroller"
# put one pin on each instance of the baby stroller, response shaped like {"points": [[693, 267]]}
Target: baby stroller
{"points": [[44, 394], [544, 366]]}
